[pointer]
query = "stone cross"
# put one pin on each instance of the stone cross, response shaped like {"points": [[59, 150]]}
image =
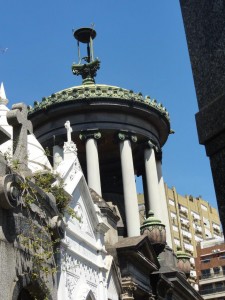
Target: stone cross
{"points": [[69, 130], [17, 118]]}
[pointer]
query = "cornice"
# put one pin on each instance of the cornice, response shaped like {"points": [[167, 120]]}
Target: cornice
{"points": [[97, 91]]}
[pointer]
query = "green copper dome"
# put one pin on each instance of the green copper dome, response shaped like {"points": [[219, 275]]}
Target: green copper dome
{"points": [[98, 91]]}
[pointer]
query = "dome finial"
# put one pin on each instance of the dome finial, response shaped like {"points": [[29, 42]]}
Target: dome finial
{"points": [[88, 69]]}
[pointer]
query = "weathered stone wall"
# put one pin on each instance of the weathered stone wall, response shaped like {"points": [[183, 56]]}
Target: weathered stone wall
{"points": [[204, 23], [16, 258]]}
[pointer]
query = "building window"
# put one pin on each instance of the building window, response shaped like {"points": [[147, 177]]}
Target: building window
{"points": [[176, 242], [223, 270], [203, 207], [206, 289], [173, 215], [171, 202], [216, 270], [175, 228], [219, 286], [195, 216], [205, 273], [205, 260]]}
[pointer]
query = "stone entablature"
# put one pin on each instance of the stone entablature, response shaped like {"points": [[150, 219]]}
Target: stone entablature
{"points": [[97, 91]]}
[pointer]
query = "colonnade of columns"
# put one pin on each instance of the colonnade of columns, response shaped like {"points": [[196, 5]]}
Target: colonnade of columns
{"points": [[156, 199]]}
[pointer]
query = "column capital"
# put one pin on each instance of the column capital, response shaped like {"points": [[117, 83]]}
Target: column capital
{"points": [[152, 145], [126, 135], [90, 134], [128, 287]]}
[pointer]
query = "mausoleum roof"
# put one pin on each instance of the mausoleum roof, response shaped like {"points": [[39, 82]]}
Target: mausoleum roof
{"points": [[98, 91]]}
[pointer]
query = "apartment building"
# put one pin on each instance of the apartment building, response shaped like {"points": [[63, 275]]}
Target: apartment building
{"points": [[192, 220], [210, 269]]}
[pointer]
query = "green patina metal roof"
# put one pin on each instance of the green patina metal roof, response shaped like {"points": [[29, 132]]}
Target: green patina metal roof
{"points": [[98, 91], [182, 255], [151, 220]]}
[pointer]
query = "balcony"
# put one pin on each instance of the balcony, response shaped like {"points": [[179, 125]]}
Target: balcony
{"points": [[187, 238], [211, 277], [214, 291], [198, 230], [183, 212], [216, 230], [185, 225]]}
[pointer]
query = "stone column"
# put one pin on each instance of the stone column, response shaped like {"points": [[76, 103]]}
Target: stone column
{"points": [[129, 185], [152, 180], [93, 170], [164, 216]]}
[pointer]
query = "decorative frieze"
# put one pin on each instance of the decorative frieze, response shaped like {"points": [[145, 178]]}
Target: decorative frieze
{"points": [[97, 92]]}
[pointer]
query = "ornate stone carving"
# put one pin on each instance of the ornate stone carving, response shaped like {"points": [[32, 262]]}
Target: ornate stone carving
{"points": [[90, 134], [100, 91], [128, 289], [183, 262], [156, 232], [87, 71], [80, 216], [154, 145], [71, 282], [10, 191], [127, 136], [70, 147]]}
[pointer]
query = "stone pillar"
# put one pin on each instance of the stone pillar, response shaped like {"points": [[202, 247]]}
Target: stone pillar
{"points": [[164, 216], [206, 50], [152, 180], [93, 170], [129, 185]]}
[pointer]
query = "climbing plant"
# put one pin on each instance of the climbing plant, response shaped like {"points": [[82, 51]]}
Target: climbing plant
{"points": [[40, 195]]}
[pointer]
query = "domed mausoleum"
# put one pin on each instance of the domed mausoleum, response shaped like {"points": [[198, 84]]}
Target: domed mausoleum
{"points": [[119, 134]]}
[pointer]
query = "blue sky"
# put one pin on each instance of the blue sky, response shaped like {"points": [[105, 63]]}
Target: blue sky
{"points": [[141, 45]]}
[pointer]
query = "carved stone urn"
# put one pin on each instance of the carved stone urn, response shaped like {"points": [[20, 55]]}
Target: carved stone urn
{"points": [[183, 262], [156, 232]]}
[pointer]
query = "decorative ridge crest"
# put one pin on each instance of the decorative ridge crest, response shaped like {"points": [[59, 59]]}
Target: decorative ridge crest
{"points": [[98, 91]]}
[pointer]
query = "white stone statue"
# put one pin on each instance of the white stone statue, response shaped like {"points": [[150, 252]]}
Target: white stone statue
{"points": [[69, 130]]}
